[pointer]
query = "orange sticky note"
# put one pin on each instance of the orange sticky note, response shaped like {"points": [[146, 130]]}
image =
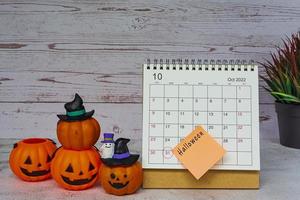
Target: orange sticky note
{"points": [[198, 152]]}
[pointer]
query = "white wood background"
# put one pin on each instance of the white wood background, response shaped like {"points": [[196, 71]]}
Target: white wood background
{"points": [[51, 49]]}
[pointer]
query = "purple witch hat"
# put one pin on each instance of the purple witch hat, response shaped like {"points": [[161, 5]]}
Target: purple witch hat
{"points": [[121, 154]]}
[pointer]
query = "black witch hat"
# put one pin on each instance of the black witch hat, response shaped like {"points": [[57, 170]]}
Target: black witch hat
{"points": [[121, 156], [75, 110]]}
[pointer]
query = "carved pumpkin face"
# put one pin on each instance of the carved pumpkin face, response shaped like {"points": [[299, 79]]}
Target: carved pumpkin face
{"points": [[75, 170], [78, 135], [30, 159], [121, 180]]}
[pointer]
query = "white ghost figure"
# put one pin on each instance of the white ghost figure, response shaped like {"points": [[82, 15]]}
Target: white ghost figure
{"points": [[107, 150]]}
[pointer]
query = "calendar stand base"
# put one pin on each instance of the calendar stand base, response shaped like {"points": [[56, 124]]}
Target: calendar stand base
{"points": [[179, 178]]}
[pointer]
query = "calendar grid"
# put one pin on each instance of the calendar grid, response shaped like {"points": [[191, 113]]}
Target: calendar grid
{"points": [[222, 122], [178, 140], [244, 111], [197, 97], [163, 152], [193, 115], [251, 128], [236, 123], [149, 139], [188, 113]]}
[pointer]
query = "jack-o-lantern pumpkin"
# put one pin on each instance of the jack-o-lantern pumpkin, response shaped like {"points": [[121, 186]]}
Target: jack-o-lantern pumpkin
{"points": [[121, 180], [30, 159], [122, 174], [75, 170], [77, 129], [78, 135]]}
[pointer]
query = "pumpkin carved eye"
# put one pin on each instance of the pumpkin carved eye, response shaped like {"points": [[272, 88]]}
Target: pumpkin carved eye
{"points": [[125, 175], [70, 168], [112, 175], [28, 161], [91, 167]]}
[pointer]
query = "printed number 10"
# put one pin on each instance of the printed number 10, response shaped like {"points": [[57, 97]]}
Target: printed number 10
{"points": [[157, 76]]}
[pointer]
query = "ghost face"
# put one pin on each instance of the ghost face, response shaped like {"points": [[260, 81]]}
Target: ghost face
{"points": [[107, 150], [108, 145]]}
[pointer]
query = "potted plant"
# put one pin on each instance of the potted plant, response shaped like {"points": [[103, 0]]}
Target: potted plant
{"points": [[283, 81]]}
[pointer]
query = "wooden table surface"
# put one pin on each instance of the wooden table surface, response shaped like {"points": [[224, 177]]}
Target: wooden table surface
{"points": [[50, 49]]}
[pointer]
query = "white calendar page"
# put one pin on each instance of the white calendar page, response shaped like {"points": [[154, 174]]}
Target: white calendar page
{"points": [[224, 102]]}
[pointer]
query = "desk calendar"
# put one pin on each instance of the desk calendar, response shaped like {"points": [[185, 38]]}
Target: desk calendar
{"points": [[222, 97]]}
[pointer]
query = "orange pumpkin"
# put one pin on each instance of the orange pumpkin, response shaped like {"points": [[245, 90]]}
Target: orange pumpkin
{"points": [[121, 180], [75, 170], [30, 159], [78, 135]]}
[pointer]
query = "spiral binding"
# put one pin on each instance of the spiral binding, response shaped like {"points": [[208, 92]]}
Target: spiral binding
{"points": [[201, 65]]}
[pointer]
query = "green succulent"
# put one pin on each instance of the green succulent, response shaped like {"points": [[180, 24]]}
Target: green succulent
{"points": [[283, 72]]}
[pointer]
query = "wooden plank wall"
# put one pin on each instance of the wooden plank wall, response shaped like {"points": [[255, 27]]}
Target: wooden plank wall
{"points": [[51, 49]]}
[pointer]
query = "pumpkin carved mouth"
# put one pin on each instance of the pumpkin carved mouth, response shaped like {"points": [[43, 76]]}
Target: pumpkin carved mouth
{"points": [[78, 181], [35, 173], [118, 185]]}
